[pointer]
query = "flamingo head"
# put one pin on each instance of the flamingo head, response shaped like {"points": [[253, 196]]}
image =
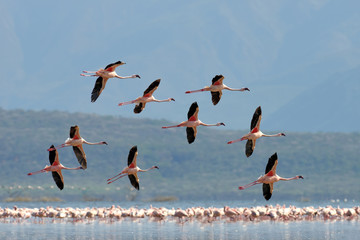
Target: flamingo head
{"points": [[246, 89], [104, 143], [156, 167], [136, 76], [172, 99], [282, 134], [218, 124], [301, 177]]}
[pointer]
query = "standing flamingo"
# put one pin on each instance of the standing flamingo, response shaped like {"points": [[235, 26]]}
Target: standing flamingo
{"points": [[254, 134], [55, 168], [76, 141], [103, 75], [269, 178], [216, 89], [192, 122], [147, 97], [131, 170]]}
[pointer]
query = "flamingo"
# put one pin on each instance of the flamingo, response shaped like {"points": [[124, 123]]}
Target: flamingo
{"points": [[254, 134], [147, 97], [76, 141], [131, 170], [216, 89], [192, 122], [55, 168], [103, 75], [269, 178]]}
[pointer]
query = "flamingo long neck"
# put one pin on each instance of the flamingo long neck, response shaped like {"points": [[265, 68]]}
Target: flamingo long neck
{"points": [[234, 89], [288, 179], [209, 125], [273, 135], [90, 143], [117, 76], [165, 100], [140, 170], [66, 168]]}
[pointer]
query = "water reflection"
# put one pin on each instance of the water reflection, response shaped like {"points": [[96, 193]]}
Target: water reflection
{"points": [[145, 229]]}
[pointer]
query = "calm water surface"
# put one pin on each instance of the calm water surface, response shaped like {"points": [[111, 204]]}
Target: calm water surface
{"points": [[172, 229]]}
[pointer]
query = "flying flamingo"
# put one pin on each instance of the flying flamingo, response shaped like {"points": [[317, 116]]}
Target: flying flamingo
{"points": [[147, 97], [269, 178], [254, 134], [216, 89], [103, 75], [131, 170], [193, 122], [55, 168], [76, 141]]}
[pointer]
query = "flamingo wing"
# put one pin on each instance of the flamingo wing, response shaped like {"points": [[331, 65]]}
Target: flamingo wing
{"points": [[191, 134], [111, 67], [58, 178], [256, 119], [217, 80], [193, 112], [216, 96], [152, 87], [267, 190], [134, 180], [249, 148], [53, 156], [271, 165], [139, 107], [132, 157], [80, 155], [74, 132], [98, 88]]}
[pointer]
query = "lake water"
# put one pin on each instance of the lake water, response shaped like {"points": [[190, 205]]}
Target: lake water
{"points": [[171, 229]]}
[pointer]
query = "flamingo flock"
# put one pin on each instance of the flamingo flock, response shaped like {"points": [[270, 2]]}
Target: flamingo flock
{"points": [[191, 124]]}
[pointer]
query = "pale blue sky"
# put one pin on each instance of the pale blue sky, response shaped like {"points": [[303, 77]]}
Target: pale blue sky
{"points": [[281, 50]]}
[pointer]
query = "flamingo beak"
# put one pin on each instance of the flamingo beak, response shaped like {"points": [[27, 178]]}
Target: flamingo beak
{"points": [[301, 177], [222, 124], [172, 99], [138, 76], [105, 143], [246, 89], [156, 167], [283, 134]]}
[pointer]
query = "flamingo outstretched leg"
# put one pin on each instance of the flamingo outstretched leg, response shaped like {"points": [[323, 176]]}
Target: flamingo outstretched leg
{"points": [[193, 91], [248, 185], [126, 103], [40, 171], [125, 174]]}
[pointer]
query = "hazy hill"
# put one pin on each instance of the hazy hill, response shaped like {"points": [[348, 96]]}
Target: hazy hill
{"points": [[331, 105], [208, 168]]}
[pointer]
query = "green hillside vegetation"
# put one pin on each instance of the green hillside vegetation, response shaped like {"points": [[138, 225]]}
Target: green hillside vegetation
{"points": [[207, 169]]}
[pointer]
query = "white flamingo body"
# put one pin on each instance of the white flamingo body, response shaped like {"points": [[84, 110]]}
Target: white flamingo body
{"points": [[76, 141], [216, 89], [55, 168], [254, 134], [146, 97], [192, 122], [104, 75], [131, 170], [269, 178]]}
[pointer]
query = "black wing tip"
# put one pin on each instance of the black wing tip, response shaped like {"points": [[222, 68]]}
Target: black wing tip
{"points": [[138, 109], [94, 97], [258, 109], [134, 148], [274, 155]]}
